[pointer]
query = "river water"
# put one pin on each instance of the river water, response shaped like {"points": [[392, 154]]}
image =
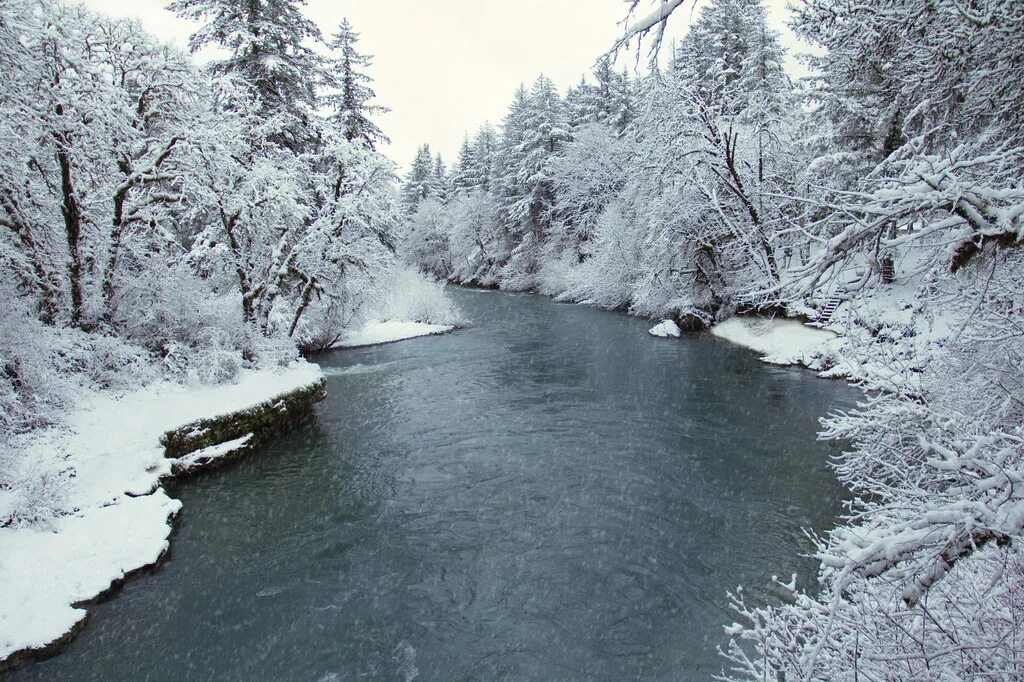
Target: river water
{"points": [[549, 494]]}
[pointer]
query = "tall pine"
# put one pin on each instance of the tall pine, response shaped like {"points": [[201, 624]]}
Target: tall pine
{"points": [[266, 44], [419, 181], [350, 91]]}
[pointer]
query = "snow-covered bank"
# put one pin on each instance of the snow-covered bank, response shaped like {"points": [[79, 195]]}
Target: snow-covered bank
{"points": [[376, 333], [778, 340], [109, 515]]}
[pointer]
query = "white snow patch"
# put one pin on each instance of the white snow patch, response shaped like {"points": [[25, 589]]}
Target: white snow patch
{"points": [[665, 328], [392, 330], [207, 455], [113, 515], [779, 341]]}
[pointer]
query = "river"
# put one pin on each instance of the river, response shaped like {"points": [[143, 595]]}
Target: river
{"points": [[551, 493]]}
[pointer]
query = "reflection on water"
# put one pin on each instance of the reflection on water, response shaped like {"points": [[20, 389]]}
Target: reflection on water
{"points": [[551, 493]]}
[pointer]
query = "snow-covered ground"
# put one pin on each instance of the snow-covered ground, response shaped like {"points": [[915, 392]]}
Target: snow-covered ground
{"points": [[112, 516], [778, 340], [385, 332]]}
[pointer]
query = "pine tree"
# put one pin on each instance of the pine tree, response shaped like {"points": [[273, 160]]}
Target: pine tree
{"points": [[266, 45], [485, 151], [544, 132], [508, 183], [732, 60], [350, 89], [440, 180], [579, 101], [608, 101], [419, 182], [462, 177]]}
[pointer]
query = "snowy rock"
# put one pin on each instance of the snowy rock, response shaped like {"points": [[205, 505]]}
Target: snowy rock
{"points": [[666, 329]]}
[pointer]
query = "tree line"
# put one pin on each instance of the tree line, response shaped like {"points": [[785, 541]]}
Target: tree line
{"points": [[889, 181], [158, 217]]}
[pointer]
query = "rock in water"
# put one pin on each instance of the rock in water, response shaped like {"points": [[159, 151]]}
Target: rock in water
{"points": [[665, 328]]}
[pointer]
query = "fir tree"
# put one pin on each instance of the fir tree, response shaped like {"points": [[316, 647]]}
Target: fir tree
{"points": [[419, 182], [266, 45], [462, 177], [543, 134], [440, 180], [485, 151], [349, 99]]}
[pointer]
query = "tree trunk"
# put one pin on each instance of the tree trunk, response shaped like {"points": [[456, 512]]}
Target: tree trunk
{"points": [[72, 227]]}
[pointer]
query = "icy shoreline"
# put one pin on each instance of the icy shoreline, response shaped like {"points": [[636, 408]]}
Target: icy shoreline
{"points": [[779, 341], [113, 517], [376, 333]]}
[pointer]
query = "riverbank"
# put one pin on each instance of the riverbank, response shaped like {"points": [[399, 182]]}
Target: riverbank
{"points": [[101, 514], [376, 333], [376, 539]]}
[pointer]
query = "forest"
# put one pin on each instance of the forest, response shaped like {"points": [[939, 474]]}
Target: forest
{"points": [[162, 220], [165, 220], [880, 197]]}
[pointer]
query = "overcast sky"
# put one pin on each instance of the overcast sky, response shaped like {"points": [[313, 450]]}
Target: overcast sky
{"points": [[446, 66]]}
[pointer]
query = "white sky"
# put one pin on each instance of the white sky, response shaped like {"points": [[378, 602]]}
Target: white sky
{"points": [[446, 66]]}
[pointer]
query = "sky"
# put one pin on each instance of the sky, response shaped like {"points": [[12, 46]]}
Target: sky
{"points": [[445, 66]]}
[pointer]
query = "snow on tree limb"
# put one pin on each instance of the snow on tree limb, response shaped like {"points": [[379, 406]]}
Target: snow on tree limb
{"points": [[638, 28]]}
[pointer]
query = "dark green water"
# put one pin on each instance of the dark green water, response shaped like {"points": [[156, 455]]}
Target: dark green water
{"points": [[551, 494]]}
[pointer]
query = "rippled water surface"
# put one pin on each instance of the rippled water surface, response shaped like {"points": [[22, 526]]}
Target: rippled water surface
{"points": [[552, 493]]}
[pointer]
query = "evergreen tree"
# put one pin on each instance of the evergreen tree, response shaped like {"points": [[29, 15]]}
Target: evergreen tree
{"points": [[543, 134], [419, 182], [440, 180], [508, 183], [462, 177], [731, 60], [351, 92], [609, 101], [611, 97], [579, 99], [266, 45], [485, 151]]}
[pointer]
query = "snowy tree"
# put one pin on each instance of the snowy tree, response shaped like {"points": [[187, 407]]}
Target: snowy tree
{"points": [[441, 180], [350, 91], [419, 181], [535, 131], [485, 149], [462, 174], [589, 174], [103, 124], [267, 45], [428, 237], [609, 101], [478, 241]]}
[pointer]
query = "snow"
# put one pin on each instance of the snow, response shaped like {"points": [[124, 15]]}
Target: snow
{"points": [[113, 516], [779, 341], [666, 329], [386, 332], [207, 455]]}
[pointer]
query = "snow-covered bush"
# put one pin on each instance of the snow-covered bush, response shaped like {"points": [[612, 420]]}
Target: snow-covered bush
{"points": [[427, 239], [478, 242], [411, 297], [32, 485], [608, 276], [44, 366], [33, 390]]}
